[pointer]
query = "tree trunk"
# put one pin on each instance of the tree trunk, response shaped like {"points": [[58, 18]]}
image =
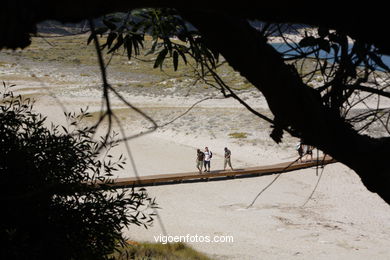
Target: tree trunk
{"points": [[293, 103]]}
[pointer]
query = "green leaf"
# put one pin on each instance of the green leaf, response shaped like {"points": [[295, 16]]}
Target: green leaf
{"points": [[324, 66], [168, 45], [111, 37], [136, 42], [153, 49], [119, 43], [109, 24], [90, 38], [128, 45], [160, 58], [175, 60], [65, 130], [183, 56], [115, 19], [100, 31]]}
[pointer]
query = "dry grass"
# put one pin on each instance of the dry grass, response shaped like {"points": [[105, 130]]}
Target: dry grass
{"points": [[74, 51], [159, 251], [238, 135]]}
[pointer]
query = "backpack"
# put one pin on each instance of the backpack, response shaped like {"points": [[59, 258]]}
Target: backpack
{"points": [[211, 155], [200, 156]]}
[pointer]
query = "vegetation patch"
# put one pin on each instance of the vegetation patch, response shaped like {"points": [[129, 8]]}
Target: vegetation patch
{"points": [[238, 135], [3, 64], [159, 251], [55, 169], [66, 51]]}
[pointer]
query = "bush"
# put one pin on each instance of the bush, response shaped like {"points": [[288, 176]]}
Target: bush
{"points": [[171, 251], [238, 135], [55, 195]]}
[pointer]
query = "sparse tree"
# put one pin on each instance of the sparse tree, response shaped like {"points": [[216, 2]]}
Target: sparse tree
{"points": [[56, 199]]}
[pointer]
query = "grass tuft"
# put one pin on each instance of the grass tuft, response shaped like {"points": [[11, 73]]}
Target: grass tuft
{"points": [[238, 135], [159, 251]]}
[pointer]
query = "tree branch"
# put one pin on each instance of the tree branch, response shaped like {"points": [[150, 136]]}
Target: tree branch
{"points": [[293, 103], [380, 92]]}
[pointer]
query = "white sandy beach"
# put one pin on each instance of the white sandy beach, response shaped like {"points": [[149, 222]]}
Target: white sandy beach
{"points": [[342, 220]]}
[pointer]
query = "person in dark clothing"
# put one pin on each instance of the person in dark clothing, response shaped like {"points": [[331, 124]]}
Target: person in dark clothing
{"points": [[227, 160], [301, 151], [199, 160], [309, 151]]}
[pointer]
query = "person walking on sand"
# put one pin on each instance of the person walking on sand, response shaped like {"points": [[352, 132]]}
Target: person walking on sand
{"points": [[227, 160], [207, 159], [199, 160], [301, 150], [309, 151]]}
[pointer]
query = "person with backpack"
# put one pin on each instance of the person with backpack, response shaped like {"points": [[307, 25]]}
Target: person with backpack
{"points": [[227, 160], [309, 151], [199, 160], [301, 150], [207, 159]]}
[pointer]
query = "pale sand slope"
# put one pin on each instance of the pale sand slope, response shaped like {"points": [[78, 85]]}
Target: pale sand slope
{"points": [[342, 221]]}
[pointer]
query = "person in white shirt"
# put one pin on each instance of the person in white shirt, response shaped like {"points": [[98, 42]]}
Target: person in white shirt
{"points": [[207, 158]]}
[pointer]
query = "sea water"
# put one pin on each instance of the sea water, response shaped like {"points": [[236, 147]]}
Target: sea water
{"points": [[288, 50]]}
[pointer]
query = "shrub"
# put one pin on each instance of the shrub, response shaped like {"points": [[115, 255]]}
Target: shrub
{"points": [[171, 251], [238, 135], [55, 195]]}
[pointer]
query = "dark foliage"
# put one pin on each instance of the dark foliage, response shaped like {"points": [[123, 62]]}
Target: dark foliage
{"points": [[345, 74], [55, 197], [173, 37]]}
